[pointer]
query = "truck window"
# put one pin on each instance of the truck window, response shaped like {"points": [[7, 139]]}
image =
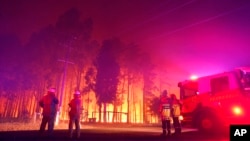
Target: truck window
{"points": [[189, 92], [246, 81], [189, 89], [219, 84]]}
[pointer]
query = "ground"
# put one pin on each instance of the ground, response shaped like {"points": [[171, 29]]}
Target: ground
{"points": [[102, 132]]}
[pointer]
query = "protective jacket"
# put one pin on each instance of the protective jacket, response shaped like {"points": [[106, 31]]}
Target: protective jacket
{"points": [[176, 108], [49, 103], [165, 108], [75, 108]]}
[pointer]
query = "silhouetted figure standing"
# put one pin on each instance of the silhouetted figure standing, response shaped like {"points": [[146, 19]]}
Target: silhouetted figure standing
{"points": [[176, 112], [49, 103], [74, 114], [165, 112]]}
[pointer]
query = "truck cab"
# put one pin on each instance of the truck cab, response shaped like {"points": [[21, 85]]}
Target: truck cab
{"points": [[217, 100]]}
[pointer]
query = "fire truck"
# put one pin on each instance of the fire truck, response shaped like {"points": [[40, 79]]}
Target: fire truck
{"points": [[217, 100]]}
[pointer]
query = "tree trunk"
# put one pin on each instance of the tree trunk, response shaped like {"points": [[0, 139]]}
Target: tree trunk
{"points": [[143, 105], [78, 79], [128, 110], [100, 110], [114, 118], [121, 108], [104, 112]]}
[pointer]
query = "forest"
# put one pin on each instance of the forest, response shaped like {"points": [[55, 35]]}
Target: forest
{"points": [[116, 79]]}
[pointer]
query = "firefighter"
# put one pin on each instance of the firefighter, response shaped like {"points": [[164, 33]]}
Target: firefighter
{"points": [[176, 112], [49, 104], [165, 112], [74, 114]]}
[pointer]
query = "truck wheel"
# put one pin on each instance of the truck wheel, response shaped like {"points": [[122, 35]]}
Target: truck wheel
{"points": [[206, 123]]}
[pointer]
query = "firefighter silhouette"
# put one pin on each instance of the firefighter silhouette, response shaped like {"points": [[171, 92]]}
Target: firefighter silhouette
{"points": [[74, 114], [165, 112], [49, 104], [176, 112]]}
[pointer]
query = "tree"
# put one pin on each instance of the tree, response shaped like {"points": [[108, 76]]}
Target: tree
{"points": [[107, 75], [31, 69], [130, 60], [90, 80], [75, 35], [12, 75], [149, 88], [154, 105], [42, 66]]}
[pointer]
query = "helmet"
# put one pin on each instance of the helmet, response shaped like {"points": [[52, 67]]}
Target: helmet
{"points": [[52, 90], [77, 93], [173, 96], [164, 93]]}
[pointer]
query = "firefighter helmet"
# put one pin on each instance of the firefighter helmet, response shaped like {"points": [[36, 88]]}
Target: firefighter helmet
{"points": [[173, 96], [52, 90], [165, 93], [77, 93]]}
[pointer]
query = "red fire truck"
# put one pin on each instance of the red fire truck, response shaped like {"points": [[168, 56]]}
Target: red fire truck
{"points": [[210, 102]]}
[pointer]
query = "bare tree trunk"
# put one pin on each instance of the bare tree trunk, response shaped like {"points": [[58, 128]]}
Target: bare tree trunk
{"points": [[6, 108], [121, 108], [144, 105], [13, 107], [78, 79], [128, 101], [23, 104], [134, 106], [105, 112], [19, 109], [114, 118], [32, 104], [100, 110]]}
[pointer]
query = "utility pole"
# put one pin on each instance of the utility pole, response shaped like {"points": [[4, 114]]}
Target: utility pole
{"points": [[64, 78], [66, 62]]}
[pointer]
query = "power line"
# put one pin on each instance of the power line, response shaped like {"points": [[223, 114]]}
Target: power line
{"points": [[194, 24], [156, 17]]}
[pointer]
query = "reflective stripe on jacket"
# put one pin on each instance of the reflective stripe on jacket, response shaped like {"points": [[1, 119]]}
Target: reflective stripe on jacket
{"points": [[165, 108], [166, 111], [176, 110]]}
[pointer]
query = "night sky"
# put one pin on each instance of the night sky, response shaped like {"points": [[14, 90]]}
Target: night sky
{"points": [[183, 36]]}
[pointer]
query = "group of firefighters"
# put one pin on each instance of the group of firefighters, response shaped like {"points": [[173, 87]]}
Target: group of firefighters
{"points": [[49, 103], [170, 108]]}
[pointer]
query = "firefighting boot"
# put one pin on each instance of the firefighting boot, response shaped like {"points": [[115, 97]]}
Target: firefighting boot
{"points": [[78, 134], [164, 132], [70, 134], [177, 131], [169, 132]]}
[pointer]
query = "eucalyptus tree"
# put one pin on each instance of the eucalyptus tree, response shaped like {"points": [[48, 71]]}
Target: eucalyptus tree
{"points": [[130, 61], [13, 76], [77, 51], [153, 105], [90, 80], [138, 67], [150, 88], [107, 75], [42, 53], [75, 35]]}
